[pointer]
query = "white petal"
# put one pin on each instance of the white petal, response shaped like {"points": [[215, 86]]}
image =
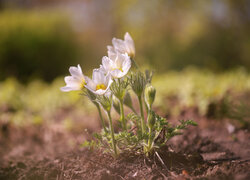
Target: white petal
{"points": [[98, 76], [107, 64], [87, 79], [90, 83], [111, 52], [71, 81], [76, 72], [130, 46], [101, 69], [90, 88], [108, 93], [100, 91], [79, 69], [110, 81], [119, 45], [119, 60], [126, 65], [66, 89], [116, 73], [69, 88]]}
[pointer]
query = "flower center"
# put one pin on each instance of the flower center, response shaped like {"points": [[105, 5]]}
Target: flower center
{"points": [[82, 84], [118, 69], [100, 86]]}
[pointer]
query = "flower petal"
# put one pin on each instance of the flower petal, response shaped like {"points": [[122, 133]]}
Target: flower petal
{"points": [[109, 80], [100, 91], [107, 64], [119, 45], [98, 76], [90, 88], [90, 84], [129, 43], [72, 81], [126, 65], [101, 69], [66, 89], [119, 60], [79, 69], [70, 88], [116, 73], [111, 52], [76, 72]]}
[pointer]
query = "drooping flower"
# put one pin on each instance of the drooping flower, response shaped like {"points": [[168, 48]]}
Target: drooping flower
{"points": [[99, 84], [122, 46], [76, 81], [117, 67]]}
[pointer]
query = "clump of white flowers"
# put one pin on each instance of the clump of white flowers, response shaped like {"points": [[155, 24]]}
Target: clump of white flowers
{"points": [[112, 82]]}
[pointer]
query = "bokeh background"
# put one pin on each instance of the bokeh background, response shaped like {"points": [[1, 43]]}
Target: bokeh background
{"points": [[41, 38], [199, 51]]}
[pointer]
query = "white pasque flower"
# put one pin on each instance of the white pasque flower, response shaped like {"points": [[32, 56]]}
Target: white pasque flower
{"points": [[76, 81], [117, 67], [122, 46], [99, 84]]}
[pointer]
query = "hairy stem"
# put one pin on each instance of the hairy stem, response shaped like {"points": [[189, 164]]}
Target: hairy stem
{"points": [[149, 141], [143, 126], [124, 124], [102, 121], [112, 133]]}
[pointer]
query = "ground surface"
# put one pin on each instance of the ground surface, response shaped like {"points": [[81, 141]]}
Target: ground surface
{"points": [[208, 151]]}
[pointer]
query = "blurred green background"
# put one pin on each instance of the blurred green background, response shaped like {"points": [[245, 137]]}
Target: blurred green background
{"points": [[43, 38], [200, 51]]}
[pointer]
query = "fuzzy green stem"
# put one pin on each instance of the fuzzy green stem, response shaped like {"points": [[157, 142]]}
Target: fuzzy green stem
{"points": [[112, 133], [143, 126], [149, 140], [122, 116], [102, 121]]}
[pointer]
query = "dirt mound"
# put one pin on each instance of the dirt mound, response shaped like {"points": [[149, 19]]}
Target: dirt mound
{"points": [[208, 151]]}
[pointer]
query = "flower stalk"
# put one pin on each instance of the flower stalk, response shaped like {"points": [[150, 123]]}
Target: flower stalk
{"points": [[112, 134], [124, 123], [143, 125], [150, 124], [102, 120]]}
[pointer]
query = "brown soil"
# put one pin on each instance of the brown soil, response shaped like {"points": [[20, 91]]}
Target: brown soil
{"points": [[208, 151]]}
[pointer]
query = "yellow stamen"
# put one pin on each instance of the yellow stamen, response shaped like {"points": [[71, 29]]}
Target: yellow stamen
{"points": [[118, 69], [100, 86], [82, 84]]}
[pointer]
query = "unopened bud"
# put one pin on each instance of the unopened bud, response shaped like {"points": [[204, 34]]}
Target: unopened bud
{"points": [[128, 100], [151, 119], [116, 105], [137, 82], [105, 101], [149, 95]]}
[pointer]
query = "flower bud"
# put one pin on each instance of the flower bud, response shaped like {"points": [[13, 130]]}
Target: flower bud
{"points": [[118, 88], [137, 82], [149, 76], [151, 119], [128, 100], [105, 101], [116, 105], [149, 95]]}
